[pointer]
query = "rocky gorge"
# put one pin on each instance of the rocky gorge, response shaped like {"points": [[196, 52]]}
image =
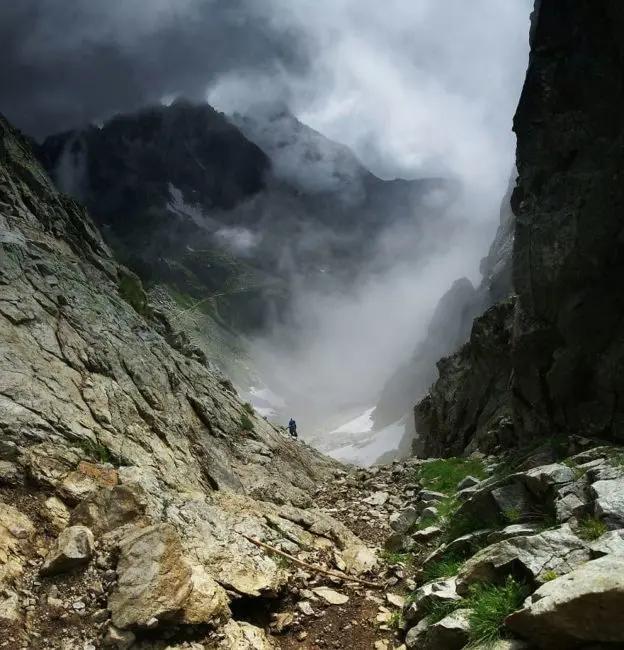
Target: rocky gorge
{"points": [[144, 506]]}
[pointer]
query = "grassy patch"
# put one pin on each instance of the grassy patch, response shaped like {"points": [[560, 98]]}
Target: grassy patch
{"points": [[249, 408], [444, 475], [591, 529], [94, 450], [131, 291], [392, 557], [548, 576], [437, 609], [396, 621], [490, 605], [447, 567], [245, 423]]}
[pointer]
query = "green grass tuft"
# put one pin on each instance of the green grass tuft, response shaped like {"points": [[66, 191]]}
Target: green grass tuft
{"points": [[591, 529], [249, 408], [391, 557], [245, 423], [548, 576], [396, 621], [490, 605], [95, 450], [447, 567], [437, 609], [444, 475]]}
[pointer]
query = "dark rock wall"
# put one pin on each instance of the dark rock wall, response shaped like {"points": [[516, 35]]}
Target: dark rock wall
{"points": [[566, 349]]}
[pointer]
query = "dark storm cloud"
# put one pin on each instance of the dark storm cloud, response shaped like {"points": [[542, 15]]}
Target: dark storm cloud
{"points": [[65, 62]]}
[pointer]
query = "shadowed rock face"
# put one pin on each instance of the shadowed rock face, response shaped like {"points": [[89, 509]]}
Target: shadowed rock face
{"points": [[566, 349]]}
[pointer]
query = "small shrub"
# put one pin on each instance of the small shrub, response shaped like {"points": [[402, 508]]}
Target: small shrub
{"points": [[512, 516], [447, 567], [396, 621], [95, 450], [245, 423], [228, 385], [131, 291], [249, 408], [490, 605], [591, 528], [548, 576], [444, 475]]}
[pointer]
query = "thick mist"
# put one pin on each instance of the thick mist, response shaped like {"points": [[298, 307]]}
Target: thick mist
{"points": [[416, 88]]}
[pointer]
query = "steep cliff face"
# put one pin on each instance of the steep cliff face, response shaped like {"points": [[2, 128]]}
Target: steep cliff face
{"points": [[566, 349], [117, 434]]}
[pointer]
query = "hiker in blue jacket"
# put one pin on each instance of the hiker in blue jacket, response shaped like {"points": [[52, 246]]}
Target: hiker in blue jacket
{"points": [[292, 428]]}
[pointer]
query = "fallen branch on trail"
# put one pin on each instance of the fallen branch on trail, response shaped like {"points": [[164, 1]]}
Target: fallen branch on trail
{"points": [[305, 565]]}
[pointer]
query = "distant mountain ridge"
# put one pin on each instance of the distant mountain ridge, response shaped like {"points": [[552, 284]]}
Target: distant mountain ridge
{"points": [[185, 198]]}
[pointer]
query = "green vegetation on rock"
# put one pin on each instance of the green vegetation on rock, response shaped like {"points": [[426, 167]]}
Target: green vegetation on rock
{"points": [[591, 528], [245, 423], [444, 475], [491, 605]]}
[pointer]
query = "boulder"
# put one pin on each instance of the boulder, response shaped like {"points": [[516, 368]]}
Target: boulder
{"points": [[429, 514], [426, 534], [463, 546], [609, 504], [451, 633], [553, 550], [109, 508], [118, 639], [243, 636], [426, 595], [207, 602], [73, 549], [56, 513], [402, 521], [611, 543], [417, 636], [429, 496], [512, 500], [154, 580], [9, 606], [541, 480], [377, 499], [585, 606]]}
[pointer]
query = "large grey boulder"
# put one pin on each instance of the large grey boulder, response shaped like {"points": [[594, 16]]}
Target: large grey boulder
{"points": [[556, 550], [609, 504], [154, 579], [426, 596], [611, 543], [73, 549], [585, 606], [451, 633]]}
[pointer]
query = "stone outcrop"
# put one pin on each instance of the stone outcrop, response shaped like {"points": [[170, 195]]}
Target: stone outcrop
{"points": [[565, 354]]}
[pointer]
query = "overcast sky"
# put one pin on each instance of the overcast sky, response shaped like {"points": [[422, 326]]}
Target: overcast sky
{"points": [[409, 84]]}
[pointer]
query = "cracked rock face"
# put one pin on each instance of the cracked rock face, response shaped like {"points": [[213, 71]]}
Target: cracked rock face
{"points": [[128, 435], [563, 358]]}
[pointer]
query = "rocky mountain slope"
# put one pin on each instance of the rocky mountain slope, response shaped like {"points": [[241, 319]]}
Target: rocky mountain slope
{"points": [[122, 451], [550, 359]]}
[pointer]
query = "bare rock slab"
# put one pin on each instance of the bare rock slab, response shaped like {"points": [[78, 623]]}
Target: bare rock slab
{"points": [[585, 606]]}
